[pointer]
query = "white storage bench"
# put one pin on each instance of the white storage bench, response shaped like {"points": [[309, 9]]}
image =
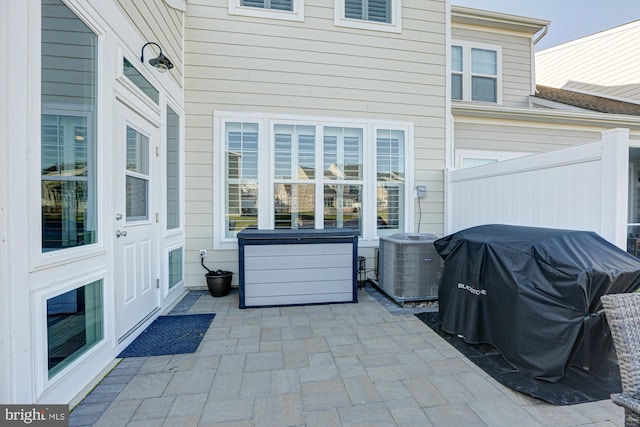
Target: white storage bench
{"points": [[293, 267]]}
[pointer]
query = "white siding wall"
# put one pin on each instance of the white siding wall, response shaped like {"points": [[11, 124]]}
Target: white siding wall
{"points": [[605, 63], [157, 22], [516, 61], [526, 137], [236, 63]]}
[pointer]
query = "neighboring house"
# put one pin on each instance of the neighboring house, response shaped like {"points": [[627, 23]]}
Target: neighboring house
{"points": [[578, 187], [605, 64], [288, 114], [497, 111]]}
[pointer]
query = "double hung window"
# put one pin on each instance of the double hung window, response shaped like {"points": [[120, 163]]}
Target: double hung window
{"points": [[269, 4], [368, 10], [343, 177], [312, 174], [291, 10], [294, 176], [379, 15], [475, 73], [390, 186]]}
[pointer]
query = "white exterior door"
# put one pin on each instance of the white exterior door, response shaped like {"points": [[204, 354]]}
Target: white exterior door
{"points": [[135, 226]]}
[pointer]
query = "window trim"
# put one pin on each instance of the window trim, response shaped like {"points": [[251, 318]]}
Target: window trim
{"points": [[164, 171], [497, 155], [408, 177], [147, 177], [79, 367], [467, 75], [236, 8], [395, 26], [167, 276], [266, 124], [37, 258]]}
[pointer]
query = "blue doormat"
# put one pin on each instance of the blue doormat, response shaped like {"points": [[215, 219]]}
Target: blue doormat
{"points": [[170, 335]]}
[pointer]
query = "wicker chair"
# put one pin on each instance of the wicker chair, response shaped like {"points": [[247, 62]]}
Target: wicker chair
{"points": [[623, 315]]}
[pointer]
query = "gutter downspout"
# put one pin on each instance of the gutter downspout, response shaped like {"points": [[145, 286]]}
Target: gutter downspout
{"points": [[545, 30], [544, 33]]}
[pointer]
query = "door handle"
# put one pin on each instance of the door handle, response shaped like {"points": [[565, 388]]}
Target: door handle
{"points": [[120, 233], [118, 216]]}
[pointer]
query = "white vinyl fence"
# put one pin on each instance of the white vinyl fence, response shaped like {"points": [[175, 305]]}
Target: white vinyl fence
{"points": [[579, 188]]}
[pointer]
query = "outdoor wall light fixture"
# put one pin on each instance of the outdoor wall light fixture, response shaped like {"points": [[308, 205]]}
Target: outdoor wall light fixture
{"points": [[161, 62]]}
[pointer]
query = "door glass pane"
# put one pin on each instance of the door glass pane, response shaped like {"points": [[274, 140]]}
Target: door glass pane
{"points": [[390, 185], [137, 176], [74, 324], [241, 146], [137, 194], [68, 102], [343, 206], [294, 205], [137, 152], [173, 170]]}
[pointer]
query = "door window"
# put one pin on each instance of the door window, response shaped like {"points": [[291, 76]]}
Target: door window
{"points": [[137, 176]]}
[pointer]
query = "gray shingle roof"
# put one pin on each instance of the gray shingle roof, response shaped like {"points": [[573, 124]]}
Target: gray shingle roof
{"points": [[589, 102]]}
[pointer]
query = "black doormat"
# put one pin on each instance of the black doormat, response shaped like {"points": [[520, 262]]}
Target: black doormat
{"points": [[577, 386], [170, 335]]}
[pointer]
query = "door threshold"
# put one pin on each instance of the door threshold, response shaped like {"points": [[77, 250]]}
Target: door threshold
{"points": [[137, 325]]}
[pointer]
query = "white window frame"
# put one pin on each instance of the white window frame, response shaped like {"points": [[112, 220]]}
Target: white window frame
{"points": [[38, 258], [498, 156], [467, 74], [297, 14], [408, 174], [80, 367], [178, 288], [178, 230], [266, 174], [395, 26]]}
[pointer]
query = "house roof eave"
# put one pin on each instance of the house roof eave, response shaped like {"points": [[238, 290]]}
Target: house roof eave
{"points": [[546, 115], [470, 16]]}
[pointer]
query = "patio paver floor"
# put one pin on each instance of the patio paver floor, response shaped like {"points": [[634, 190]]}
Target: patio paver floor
{"points": [[364, 364]]}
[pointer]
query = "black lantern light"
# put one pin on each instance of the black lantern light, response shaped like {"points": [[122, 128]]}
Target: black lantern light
{"points": [[161, 62]]}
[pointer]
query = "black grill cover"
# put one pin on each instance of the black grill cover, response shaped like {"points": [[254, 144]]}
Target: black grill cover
{"points": [[534, 294]]}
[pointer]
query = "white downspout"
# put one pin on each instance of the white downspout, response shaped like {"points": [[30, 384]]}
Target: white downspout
{"points": [[545, 30]]}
